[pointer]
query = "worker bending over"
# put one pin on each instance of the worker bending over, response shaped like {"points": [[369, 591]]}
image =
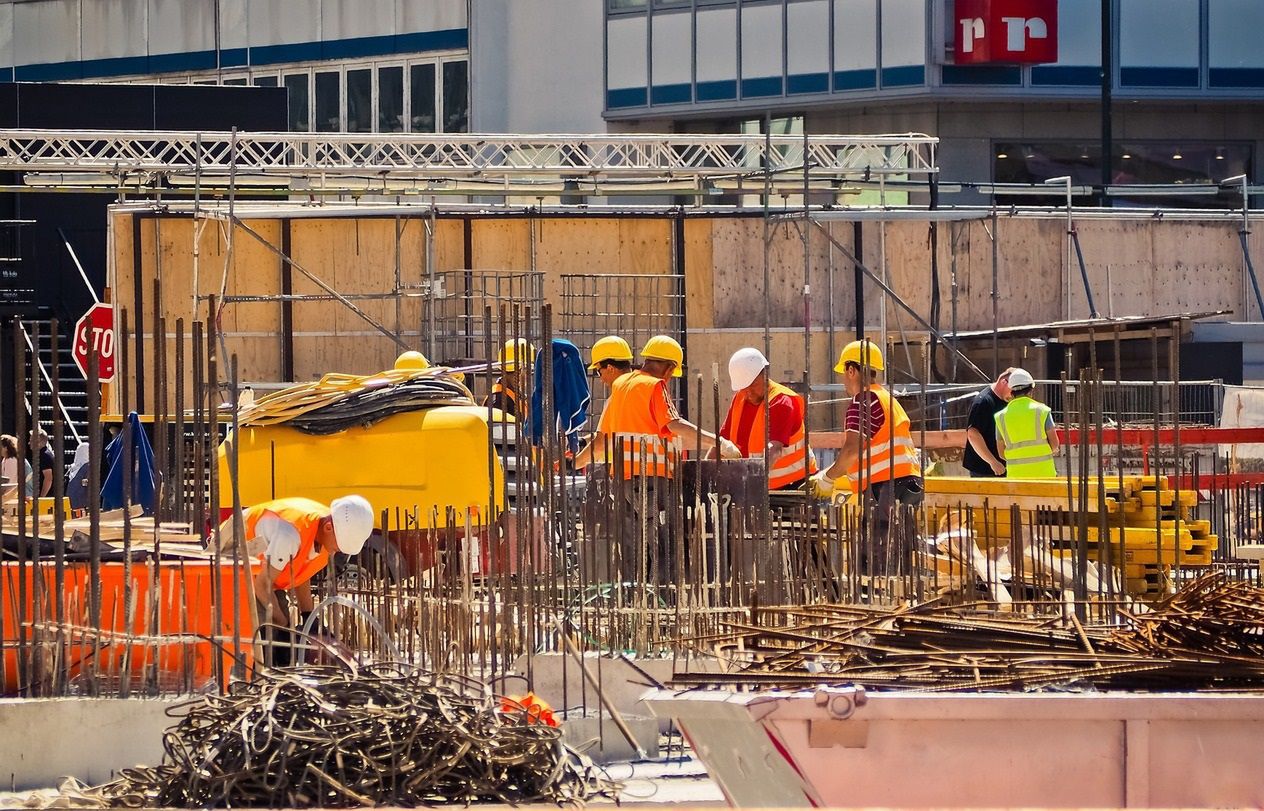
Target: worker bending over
{"points": [[878, 456], [789, 460], [641, 427], [295, 538], [610, 360], [1025, 434], [507, 392]]}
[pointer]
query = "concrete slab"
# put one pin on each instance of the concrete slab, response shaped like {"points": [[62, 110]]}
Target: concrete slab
{"points": [[86, 738]]}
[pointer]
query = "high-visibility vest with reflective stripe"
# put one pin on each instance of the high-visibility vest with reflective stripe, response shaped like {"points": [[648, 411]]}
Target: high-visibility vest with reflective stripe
{"points": [[500, 388], [305, 515], [627, 421], [890, 453], [795, 461], [1021, 426]]}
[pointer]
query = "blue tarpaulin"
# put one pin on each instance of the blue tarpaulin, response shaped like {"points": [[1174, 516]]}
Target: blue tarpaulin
{"points": [[570, 393], [143, 479]]}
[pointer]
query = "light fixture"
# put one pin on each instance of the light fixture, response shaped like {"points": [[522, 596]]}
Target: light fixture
{"points": [[1002, 155], [1220, 153], [1127, 155], [1083, 153], [1177, 155]]}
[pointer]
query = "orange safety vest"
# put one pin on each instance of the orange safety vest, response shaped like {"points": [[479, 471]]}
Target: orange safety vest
{"points": [[305, 515], [627, 421], [499, 388], [890, 454], [795, 459]]}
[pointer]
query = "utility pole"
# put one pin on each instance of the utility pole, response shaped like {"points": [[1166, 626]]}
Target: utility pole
{"points": [[1108, 73]]}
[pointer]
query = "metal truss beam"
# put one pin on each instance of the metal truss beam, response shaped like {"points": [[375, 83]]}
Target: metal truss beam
{"points": [[327, 158]]}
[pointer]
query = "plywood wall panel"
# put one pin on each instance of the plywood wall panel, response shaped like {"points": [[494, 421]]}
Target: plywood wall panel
{"points": [[502, 244], [699, 274]]}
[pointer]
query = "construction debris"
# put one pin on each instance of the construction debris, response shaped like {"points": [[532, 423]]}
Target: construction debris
{"points": [[1207, 636], [317, 737]]}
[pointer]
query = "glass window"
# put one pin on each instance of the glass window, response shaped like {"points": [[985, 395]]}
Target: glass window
{"points": [[328, 102], [1134, 163], [421, 95], [360, 100], [236, 81], [456, 96], [265, 81], [624, 5], [297, 85], [390, 99]]}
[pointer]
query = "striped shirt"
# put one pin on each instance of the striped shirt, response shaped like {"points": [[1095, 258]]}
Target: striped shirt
{"points": [[856, 421]]}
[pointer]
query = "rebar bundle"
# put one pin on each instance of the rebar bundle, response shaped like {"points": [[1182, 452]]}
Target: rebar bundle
{"points": [[318, 737], [1208, 636]]}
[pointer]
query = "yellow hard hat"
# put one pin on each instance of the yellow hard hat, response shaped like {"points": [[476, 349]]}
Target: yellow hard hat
{"points": [[861, 353], [516, 351], [611, 347], [412, 360], [661, 347]]}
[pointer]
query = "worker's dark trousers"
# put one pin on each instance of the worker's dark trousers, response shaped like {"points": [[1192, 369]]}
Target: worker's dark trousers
{"points": [[646, 550], [892, 528]]}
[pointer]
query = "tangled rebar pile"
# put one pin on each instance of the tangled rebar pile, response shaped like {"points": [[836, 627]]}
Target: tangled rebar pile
{"points": [[323, 737], [1207, 636]]}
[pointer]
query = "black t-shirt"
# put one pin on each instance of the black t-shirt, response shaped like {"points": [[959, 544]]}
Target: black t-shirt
{"points": [[47, 461], [983, 411]]}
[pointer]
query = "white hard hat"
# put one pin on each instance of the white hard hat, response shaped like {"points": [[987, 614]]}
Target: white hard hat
{"points": [[353, 523], [1020, 378], [746, 364]]}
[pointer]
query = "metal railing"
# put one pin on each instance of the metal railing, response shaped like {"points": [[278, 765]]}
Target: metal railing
{"points": [[48, 381]]}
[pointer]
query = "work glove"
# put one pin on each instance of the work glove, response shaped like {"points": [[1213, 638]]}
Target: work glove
{"points": [[821, 485], [728, 450]]}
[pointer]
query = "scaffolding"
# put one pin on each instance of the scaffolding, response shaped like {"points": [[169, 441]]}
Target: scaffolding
{"points": [[453, 312]]}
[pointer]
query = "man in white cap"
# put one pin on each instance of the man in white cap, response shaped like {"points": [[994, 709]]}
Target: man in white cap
{"points": [[1026, 437], [295, 538], [781, 430]]}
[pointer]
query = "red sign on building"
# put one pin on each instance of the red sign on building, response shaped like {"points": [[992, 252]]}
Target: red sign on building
{"points": [[1005, 31]]}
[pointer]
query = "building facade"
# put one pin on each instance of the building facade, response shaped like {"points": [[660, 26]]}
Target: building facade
{"points": [[1187, 81], [1187, 77]]}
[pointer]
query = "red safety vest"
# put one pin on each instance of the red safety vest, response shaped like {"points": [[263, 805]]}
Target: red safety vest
{"points": [[790, 467]]}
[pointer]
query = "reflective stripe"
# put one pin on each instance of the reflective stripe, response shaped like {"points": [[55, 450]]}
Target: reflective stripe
{"points": [[1027, 443], [1028, 453]]}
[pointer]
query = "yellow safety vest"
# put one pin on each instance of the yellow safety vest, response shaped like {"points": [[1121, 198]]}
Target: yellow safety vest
{"points": [[1021, 426]]}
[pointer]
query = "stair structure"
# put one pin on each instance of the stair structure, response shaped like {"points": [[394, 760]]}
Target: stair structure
{"points": [[73, 400]]}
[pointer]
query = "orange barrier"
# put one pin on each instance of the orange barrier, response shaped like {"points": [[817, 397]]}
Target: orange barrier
{"points": [[176, 637]]}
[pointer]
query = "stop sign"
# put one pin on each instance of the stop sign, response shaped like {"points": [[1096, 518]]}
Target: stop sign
{"points": [[94, 333]]}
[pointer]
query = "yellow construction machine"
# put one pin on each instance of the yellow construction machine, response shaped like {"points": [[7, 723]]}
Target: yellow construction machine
{"points": [[410, 440]]}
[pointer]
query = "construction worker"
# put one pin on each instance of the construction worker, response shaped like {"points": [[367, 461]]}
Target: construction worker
{"points": [[643, 430], [295, 537], [878, 457], [1026, 437], [980, 458], [611, 358], [507, 392], [790, 462]]}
